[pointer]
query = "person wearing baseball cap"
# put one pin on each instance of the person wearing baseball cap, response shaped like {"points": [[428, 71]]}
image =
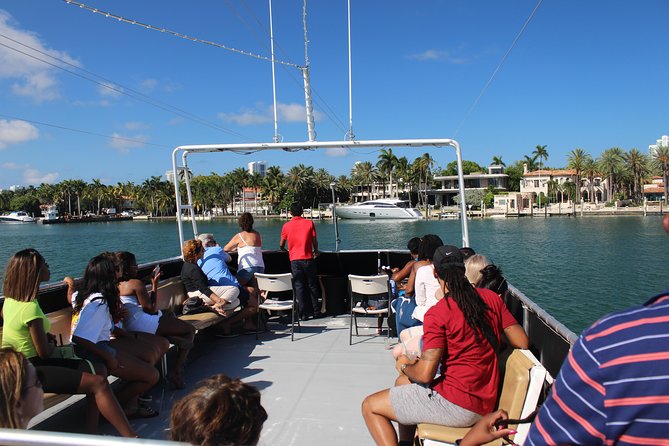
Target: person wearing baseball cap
{"points": [[462, 336]]}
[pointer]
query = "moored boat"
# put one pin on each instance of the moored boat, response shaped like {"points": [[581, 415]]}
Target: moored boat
{"points": [[384, 208], [17, 217]]}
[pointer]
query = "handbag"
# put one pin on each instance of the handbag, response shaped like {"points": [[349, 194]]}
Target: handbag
{"points": [[404, 307], [64, 352], [195, 305]]}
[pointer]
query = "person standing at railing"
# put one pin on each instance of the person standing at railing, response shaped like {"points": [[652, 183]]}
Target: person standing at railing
{"points": [[300, 233]]}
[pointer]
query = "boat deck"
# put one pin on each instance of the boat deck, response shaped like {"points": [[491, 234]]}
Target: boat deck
{"points": [[312, 388]]}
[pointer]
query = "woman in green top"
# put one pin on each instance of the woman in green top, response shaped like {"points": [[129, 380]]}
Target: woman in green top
{"points": [[26, 330]]}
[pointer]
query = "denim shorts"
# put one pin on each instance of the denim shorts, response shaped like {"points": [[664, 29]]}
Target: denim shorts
{"points": [[244, 275], [89, 355]]}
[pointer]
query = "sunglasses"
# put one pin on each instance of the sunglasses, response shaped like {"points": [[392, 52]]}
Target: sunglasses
{"points": [[37, 383]]}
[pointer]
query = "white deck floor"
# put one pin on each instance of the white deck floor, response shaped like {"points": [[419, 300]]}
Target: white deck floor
{"points": [[312, 388]]}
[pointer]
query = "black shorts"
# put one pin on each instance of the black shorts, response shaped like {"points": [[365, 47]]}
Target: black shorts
{"points": [[59, 379]]}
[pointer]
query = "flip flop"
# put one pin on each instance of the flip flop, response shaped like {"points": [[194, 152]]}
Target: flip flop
{"points": [[142, 412]]}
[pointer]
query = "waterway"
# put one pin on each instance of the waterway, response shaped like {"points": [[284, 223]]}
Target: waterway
{"points": [[578, 269]]}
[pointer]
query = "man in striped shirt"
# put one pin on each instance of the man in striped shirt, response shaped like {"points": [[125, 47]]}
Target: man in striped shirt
{"points": [[613, 388]]}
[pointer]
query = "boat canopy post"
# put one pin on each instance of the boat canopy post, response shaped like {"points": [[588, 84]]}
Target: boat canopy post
{"points": [[297, 146]]}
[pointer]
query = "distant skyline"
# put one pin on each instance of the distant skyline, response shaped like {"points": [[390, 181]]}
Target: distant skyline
{"points": [[85, 96]]}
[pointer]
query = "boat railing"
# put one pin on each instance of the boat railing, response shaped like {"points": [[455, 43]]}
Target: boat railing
{"points": [[21, 437]]}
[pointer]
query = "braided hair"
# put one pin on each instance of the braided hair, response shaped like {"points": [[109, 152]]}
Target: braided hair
{"points": [[473, 308]]}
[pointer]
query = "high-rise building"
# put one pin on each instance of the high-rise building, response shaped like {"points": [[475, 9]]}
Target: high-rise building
{"points": [[259, 167], [663, 141]]}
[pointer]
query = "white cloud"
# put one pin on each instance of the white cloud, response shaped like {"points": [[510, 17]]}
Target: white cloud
{"points": [[32, 77], [148, 84], [123, 143], [11, 166], [336, 152], [440, 55], [15, 131], [263, 113], [34, 176], [110, 90], [135, 125]]}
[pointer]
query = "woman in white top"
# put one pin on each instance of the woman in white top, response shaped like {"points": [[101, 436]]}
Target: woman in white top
{"points": [[96, 306], [427, 293], [144, 317], [248, 245]]}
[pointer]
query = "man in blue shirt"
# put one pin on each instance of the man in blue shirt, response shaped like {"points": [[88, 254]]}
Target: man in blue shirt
{"points": [[214, 265]]}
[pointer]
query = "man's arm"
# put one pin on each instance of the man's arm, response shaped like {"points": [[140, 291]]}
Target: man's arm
{"points": [[282, 244], [315, 245]]}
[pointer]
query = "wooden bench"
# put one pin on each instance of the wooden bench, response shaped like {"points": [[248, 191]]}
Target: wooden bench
{"points": [[523, 381], [171, 295]]}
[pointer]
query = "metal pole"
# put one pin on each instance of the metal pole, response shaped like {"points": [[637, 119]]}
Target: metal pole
{"points": [[334, 217], [463, 205], [351, 136], [271, 42]]}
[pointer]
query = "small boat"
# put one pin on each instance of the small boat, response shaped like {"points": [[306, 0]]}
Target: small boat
{"points": [[17, 217], [385, 208]]}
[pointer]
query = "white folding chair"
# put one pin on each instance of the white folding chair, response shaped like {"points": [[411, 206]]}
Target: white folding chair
{"points": [[360, 288], [276, 283]]}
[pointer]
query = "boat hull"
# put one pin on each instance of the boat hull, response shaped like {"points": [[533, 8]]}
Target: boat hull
{"points": [[367, 213]]}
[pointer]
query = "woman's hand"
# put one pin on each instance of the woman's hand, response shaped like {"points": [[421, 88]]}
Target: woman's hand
{"points": [[485, 431], [404, 359]]}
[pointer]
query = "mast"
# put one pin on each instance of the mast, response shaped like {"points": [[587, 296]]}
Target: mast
{"points": [[307, 83], [271, 40]]}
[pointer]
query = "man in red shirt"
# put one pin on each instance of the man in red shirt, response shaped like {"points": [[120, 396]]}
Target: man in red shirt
{"points": [[300, 234]]}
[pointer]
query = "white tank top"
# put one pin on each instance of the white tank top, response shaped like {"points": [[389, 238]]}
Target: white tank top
{"points": [[248, 256]]}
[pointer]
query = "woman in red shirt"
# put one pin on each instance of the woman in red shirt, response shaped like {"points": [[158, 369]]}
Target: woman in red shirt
{"points": [[462, 335]]}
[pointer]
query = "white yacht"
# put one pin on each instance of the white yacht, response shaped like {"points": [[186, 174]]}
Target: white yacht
{"points": [[385, 208], [17, 217]]}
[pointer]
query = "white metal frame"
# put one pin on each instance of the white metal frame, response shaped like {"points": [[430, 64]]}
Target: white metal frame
{"points": [[184, 151]]}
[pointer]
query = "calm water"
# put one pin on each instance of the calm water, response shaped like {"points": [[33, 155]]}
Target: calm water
{"points": [[578, 269]]}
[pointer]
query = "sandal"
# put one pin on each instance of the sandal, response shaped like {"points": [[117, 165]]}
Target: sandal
{"points": [[142, 412]]}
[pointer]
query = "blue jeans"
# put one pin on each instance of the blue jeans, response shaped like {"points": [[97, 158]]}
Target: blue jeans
{"points": [[307, 291]]}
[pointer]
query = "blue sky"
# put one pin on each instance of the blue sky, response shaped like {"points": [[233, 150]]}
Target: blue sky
{"points": [[589, 74]]}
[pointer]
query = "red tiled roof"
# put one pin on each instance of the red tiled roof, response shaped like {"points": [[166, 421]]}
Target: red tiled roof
{"points": [[551, 173]]}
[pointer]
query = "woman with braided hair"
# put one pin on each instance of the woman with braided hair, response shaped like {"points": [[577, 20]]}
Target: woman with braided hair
{"points": [[462, 335]]}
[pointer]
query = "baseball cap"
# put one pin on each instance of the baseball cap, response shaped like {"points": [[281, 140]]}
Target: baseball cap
{"points": [[448, 255]]}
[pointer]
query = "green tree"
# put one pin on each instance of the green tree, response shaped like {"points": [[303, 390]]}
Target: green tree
{"points": [[467, 168], [611, 164], [387, 164], [362, 175], [590, 171], [661, 162], [576, 160], [542, 153], [531, 162], [497, 161], [638, 165]]}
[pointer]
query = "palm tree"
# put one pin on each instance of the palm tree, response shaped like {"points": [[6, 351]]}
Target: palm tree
{"points": [[575, 160], [423, 165], [96, 190], [497, 161], [611, 164], [241, 178], [387, 164], [661, 160], [531, 162], [637, 163], [273, 185], [362, 175], [541, 153], [590, 170]]}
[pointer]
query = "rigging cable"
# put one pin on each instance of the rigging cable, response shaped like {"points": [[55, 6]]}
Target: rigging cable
{"points": [[177, 34], [322, 103], [111, 85], [497, 68]]}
